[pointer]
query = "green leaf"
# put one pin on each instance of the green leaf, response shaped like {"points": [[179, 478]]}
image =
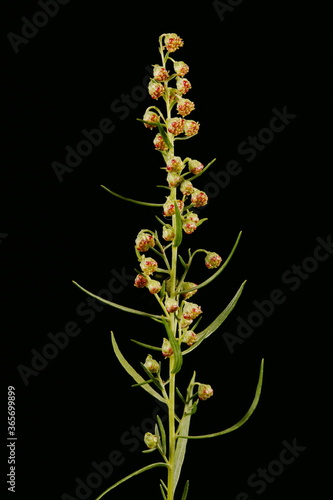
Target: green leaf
{"points": [[162, 491], [162, 434], [242, 420], [219, 271], [136, 473], [217, 321], [179, 227], [147, 346], [177, 353], [118, 306], [186, 488], [202, 171], [164, 135], [184, 427], [131, 200], [132, 372]]}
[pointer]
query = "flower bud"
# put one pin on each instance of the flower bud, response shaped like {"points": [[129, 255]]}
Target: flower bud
{"points": [[169, 206], [205, 391], [185, 107], [186, 188], [191, 310], [167, 350], [189, 337], [148, 265], [181, 68], [140, 281], [187, 286], [171, 305], [195, 166], [212, 260], [168, 233], [189, 227], [191, 128], [199, 198], [184, 323], [174, 179], [151, 441], [154, 286], [151, 364], [155, 89], [160, 73], [175, 164], [150, 116], [173, 42], [159, 143], [183, 85], [176, 126], [144, 241]]}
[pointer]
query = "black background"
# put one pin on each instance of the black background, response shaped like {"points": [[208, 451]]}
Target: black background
{"points": [[262, 55]]}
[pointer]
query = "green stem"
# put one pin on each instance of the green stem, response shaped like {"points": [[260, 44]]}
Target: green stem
{"points": [[172, 431]]}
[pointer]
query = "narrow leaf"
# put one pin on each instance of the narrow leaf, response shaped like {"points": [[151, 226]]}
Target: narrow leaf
{"points": [[202, 171], [162, 491], [164, 135], [162, 434], [219, 271], [183, 263], [132, 372], [118, 306], [177, 353], [217, 322], [137, 202], [179, 227], [242, 420], [136, 473], [186, 488], [147, 346], [184, 427]]}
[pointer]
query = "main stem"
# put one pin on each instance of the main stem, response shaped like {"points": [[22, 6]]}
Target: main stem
{"points": [[174, 324]]}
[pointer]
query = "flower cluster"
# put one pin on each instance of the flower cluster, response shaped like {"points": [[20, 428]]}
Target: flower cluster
{"points": [[183, 194]]}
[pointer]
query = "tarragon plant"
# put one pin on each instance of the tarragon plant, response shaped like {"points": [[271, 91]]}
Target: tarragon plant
{"points": [[177, 323]]}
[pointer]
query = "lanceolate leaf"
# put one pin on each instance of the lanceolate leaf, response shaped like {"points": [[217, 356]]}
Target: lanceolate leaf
{"points": [[185, 492], [242, 420], [183, 430], [219, 271], [131, 200], [164, 135], [177, 353], [132, 372], [179, 227], [136, 473], [118, 306], [217, 322], [202, 171]]}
